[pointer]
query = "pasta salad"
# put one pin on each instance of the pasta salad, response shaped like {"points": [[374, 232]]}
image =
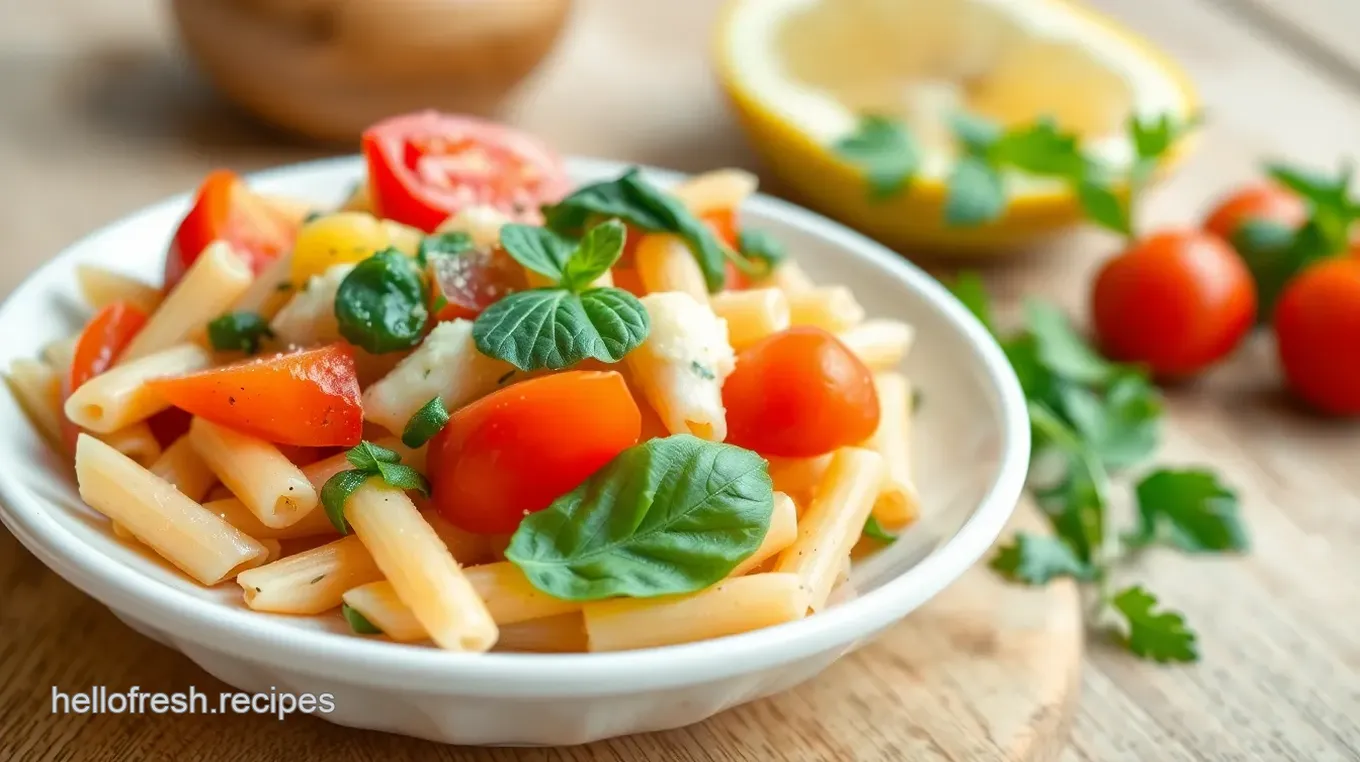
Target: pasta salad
{"points": [[478, 408]]}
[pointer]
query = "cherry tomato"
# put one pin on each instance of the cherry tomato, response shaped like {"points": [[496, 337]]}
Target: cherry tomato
{"points": [[1176, 302], [1317, 333], [97, 348], [426, 166], [1258, 202], [515, 451], [469, 282], [308, 398], [799, 393], [226, 209]]}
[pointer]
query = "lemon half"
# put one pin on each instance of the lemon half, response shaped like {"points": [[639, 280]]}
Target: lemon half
{"points": [[801, 73]]}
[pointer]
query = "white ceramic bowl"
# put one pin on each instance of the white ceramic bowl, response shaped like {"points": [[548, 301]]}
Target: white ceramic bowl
{"points": [[971, 451]]}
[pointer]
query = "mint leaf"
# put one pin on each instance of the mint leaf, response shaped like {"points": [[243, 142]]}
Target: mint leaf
{"points": [[358, 622], [239, 331], [1122, 426], [667, 516], [538, 249], [442, 245], [366, 456], [977, 135], [1191, 510], [875, 531], [598, 251], [969, 289], [1041, 149], [380, 305], [403, 477], [553, 329], [1103, 206], [1037, 559], [976, 194], [1161, 637], [1061, 349], [619, 318], [427, 421], [883, 149], [336, 491], [761, 250], [1154, 137]]}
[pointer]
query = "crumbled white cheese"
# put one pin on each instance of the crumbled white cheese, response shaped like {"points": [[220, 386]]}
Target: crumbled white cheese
{"points": [[308, 319]]}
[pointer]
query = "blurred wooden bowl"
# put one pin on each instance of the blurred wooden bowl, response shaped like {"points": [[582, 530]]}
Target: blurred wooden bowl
{"points": [[329, 68]]}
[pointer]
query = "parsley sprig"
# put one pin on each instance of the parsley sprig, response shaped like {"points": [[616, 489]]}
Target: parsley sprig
{"points": [[1092, 419], [369, 460]]}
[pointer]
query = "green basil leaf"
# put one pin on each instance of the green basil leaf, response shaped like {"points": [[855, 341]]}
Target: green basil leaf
{"points": [[442, 245], [538, 249], [885, 151], [358, 622], [336, 491], [1158, 636], [380, 305], [668, 516], [598, 251], [366, 456], [1061, 349], [977, 135], [1104, 206], [875, 531], [761, 250], [976, 194], [1038, 559], [403, 477], [427, 421], [241, 331], [1191, 509], [553, 328], [969, 289], [708, 252]]}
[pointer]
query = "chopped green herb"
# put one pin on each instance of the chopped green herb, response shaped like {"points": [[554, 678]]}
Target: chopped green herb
{"points": [[239, 331], [1037, 559], [885, 151], [317, 579], [369, 460], [426, 422], [701, 370], [1158, 636], [380, 305], [358, 622], [875, 531]]}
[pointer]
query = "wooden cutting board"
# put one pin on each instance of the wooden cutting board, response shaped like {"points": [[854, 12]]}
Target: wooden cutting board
{"points": [[986, 671]]}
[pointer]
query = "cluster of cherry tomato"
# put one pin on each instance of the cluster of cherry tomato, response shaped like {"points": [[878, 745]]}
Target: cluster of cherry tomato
{"points": [[1180, 301]]}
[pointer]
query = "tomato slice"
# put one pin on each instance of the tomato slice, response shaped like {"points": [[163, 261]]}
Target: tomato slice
{"points": [[515, 451], [97, 349], [426, 166], [308, 398], [226, 209], [469, 282]]}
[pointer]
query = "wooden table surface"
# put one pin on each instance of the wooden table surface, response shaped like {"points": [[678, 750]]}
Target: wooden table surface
{"points": [[98, 117]]}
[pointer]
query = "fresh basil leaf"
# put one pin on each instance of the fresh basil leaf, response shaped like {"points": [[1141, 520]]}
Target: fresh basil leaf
{"points": [[760, 249], [976, 194], [442, 245], [977, 135], [1041, 149], [598, 251], [1159, 636], [875, 531], [668, 516], [707, 250], [240, 331], [885, 151], [358, 622], [336, 491], [1104, 206], [969, 289], [538, 249], [1191, 509], [366, 456], [1061, 349], [427, 421], [1121, 426], [1038, 559], [552, 328], [380, 305], [403, 477]]}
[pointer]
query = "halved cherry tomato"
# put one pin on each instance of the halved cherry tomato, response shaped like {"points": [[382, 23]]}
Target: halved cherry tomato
{"points": [[464, 284], [226, 209], [308, 398], [97, 349], [1317, 333], [1177, 302], [1258, 202], [424, 167], [514, 452], [799, 393]]}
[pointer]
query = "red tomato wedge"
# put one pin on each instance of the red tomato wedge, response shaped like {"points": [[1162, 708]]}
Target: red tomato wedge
{"points": [[97, 349], [226, 209], [308, 398], [515, 451], [472, 281], [424, 167]]}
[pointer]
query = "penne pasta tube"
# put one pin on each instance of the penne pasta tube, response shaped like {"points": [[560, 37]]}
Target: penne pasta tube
{"points": [[211, 285], [136, 442], [121, 396], [420, 568], [313, 524], [787, 277], [379, 604], [100, 288], [263, 478], [735, 605], [36, 386], [564, 633], [180, 530], [833, 308], [181, 466], [781, 534], [309, 582], [319, 471], [879, 343], [751, 315], [465, 547], [897, 504], [270, 290], [59, 354], [716, 191], [510, 597], [799, 477], [833, 522], [681, 366], [665, 263]]}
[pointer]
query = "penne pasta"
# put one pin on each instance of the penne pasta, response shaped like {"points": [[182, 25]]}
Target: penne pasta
{"points": [[799, 477], [466, 548], [100, 288], [879, 343], [59, 354], [420, 568], [735, 605], [787, 277], [309, 582], [509, 596], [36, 386], [833, 522], [315, 523], [136, 442], [211, 285], [897, 504], [274, 489], [832, 308], [665, 263], [269, 291], [181, 466], [180, 530], [121, 396], [716, 191], [564, 633], [751, 315], [681, 366], [782, 532], [379, 604]]}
